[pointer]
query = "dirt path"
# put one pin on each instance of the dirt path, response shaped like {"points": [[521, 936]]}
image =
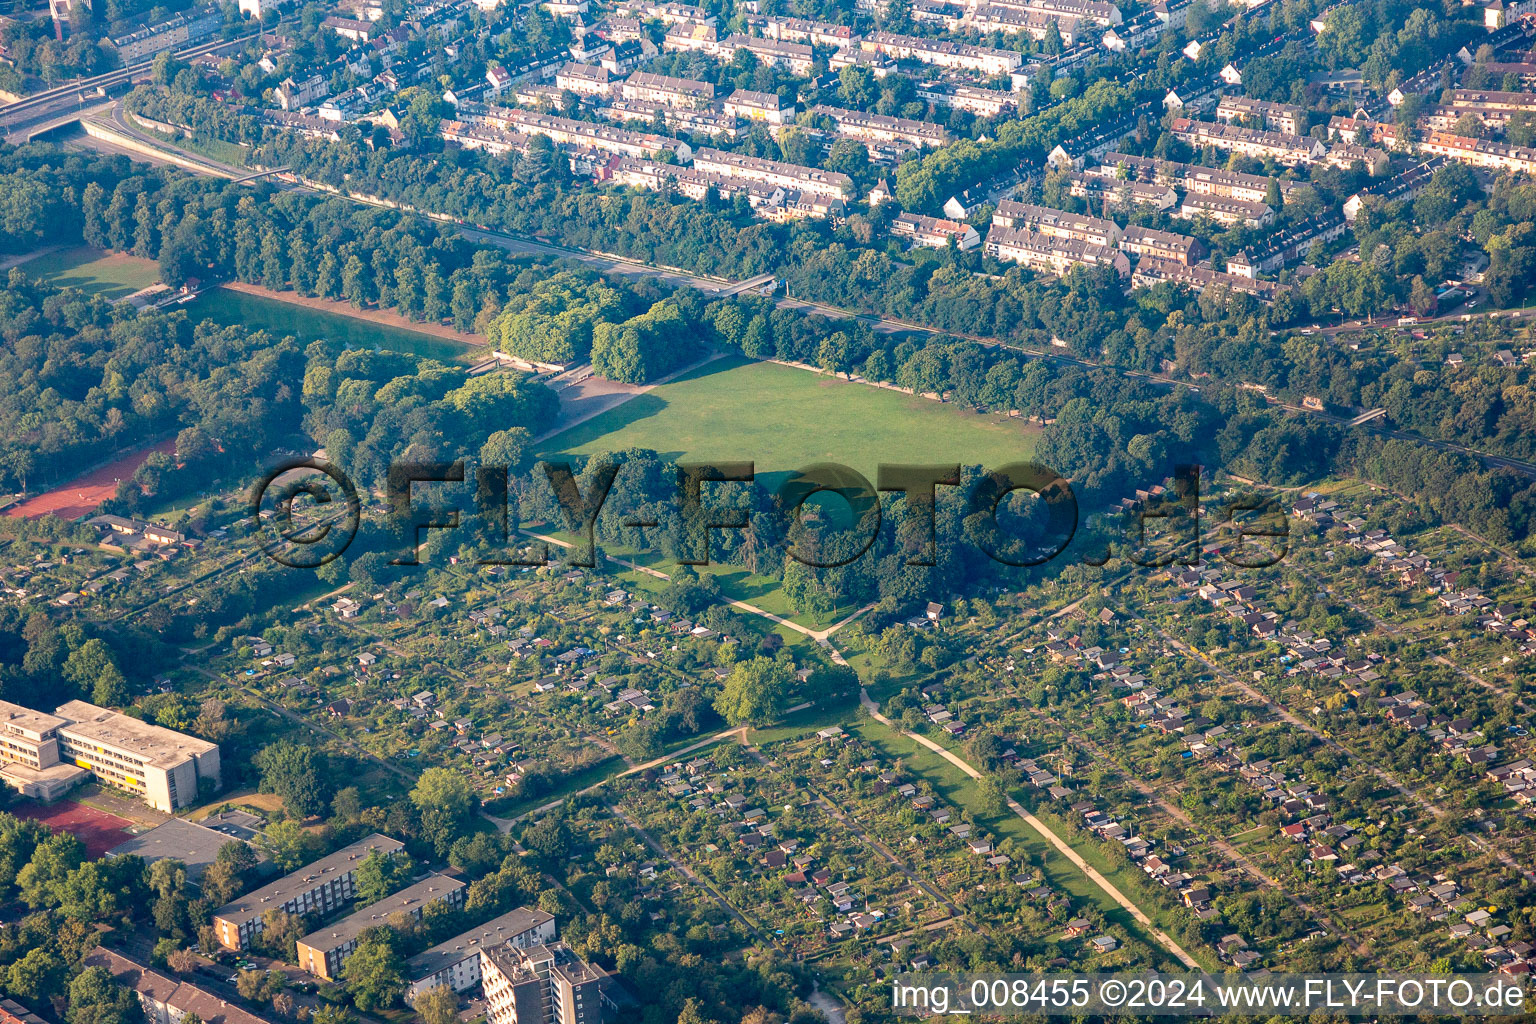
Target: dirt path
{"points": [[377, 316], [1045, 831]]}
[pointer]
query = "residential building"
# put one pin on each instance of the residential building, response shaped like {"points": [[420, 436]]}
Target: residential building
{"points": [[29, 754], [322, 952], [321, 886], [166, 999], [983, 59], [1161, 245], [564, 131], [797, 57], [1121, 192], [585, 79], [759, 106], [1493, 156], [774, 172], [1289, 246], [691, 37], [1052, 255], [1035, 24], [1290, 150], [934, 232], [1492, 108], [666, 13], [1394, 189], [1096, 11], [878, 64], [174, 33], [456, 962], [292, 95], [1151, 271], [799, 30], [348, 28], [546, 984], [1056, 223], [979, 101], [1226, 211], [1279, 117], [682, 93], [879, 128], [695, 121], [162, 767]]}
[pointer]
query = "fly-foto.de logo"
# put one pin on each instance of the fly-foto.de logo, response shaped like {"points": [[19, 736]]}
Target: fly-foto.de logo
{"points": [[1022, 514]]}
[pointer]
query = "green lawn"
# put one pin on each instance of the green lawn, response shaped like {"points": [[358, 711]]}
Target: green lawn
{"points": [[110, 275], [782, 419], [280, 318]]}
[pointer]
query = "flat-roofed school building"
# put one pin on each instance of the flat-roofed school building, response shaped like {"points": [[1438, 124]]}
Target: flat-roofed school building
{"points": [[160, 766]]}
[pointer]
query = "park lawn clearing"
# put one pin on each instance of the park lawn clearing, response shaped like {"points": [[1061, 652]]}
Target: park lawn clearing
{"points": [[95, 271], [781, 419]]}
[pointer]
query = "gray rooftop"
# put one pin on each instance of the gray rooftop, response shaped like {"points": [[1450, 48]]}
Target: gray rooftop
{"points": [[310, 876], [461, 947], [409, 900], [194, 845]]}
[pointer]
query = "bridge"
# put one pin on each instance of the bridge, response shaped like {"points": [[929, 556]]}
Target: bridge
{"points": [[1367, 416], [764, 282], [256, 175]]}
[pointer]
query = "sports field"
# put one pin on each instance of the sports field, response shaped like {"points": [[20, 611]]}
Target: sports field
{"points": [[110, 275], [782, 418], [98, 830]]}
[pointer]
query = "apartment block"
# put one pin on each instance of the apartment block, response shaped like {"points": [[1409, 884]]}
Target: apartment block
{"points": [[1161, 245], [1493, 108], [1095, 11], [1279, 117], [934, 232], [165, 998], [323, 951], [983, 59], [171, 34], [564, 131], [1035, 24], [979, 101], [682, 93], [1151, 271], [759, 106], [1290, 150], [878, 64], [1209, 181], [322, 886], [797, 57], [1121, 192], [799, 30], [1226, 211], [29, 754], [879, 128], [546, 984], [159, 766], [691, 36], [1051, 255], [700, 121], [456, 962], [668, 14], [1056, 223], [774, 172], [585, 79]]}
